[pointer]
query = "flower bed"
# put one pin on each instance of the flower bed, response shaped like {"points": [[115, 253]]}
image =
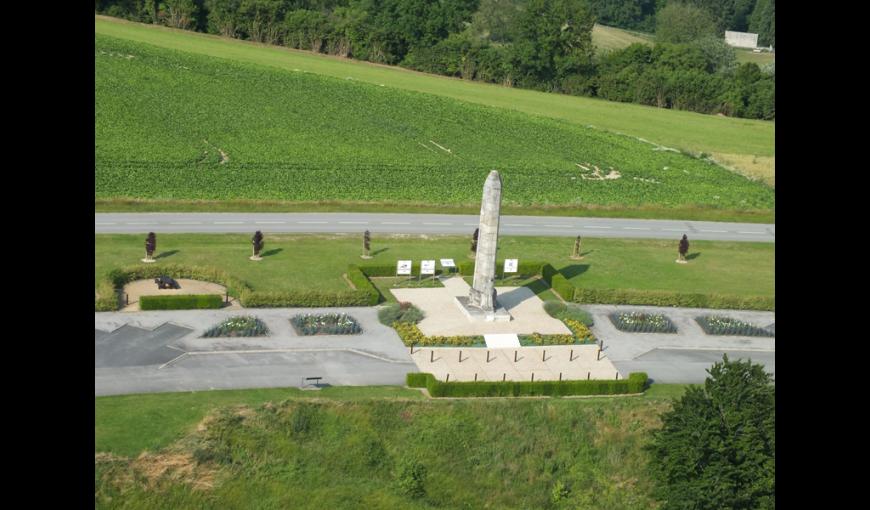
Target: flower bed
{"points": [[721, 325], [238, 326], [638, 322], [411, 335], [325, 324]]}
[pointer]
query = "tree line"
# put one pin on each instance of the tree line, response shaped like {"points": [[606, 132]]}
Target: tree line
{"points": [[538, 44]]}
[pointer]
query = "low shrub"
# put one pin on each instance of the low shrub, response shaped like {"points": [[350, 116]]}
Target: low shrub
{"points": [[554, 308], [244, 326], [400, 312], [562, 311], [670, 298], [305, 298], [581, 332], [639, 322], [720, 325], [325, 324], [562, 287], [636, 383], [539, 339], [359, 279], [416, 380], [411, 335], [181, 302]]}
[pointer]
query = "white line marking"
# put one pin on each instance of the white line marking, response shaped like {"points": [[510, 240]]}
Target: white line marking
{"points": [[595, 227], [560, 226], [270, 222], [674, 229], [395, 223], [105, 223], [185, 223], [720, 231], [311, 222], [228, 222], [518, 225], [635, 228], [436, 223], [354, 222], [140, 223], [471, 224], [744, 232]]}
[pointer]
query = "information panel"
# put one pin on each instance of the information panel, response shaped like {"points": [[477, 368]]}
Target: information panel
{"points": [[427, 267], [447, 263], [510, 265], [403, 267]]}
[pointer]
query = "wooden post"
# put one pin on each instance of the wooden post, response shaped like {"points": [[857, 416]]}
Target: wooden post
{"points": [[515, 356], [588, 374], [127, 298], [487, 356], [544, 355], [560, 376], [617, 376], [533, 377], [432, 356], [448, 378], [571, 356], [460, 355], [598, 356], [475, 377], [503, 377]]}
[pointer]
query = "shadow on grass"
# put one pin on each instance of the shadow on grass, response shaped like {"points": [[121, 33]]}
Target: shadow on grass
{"points": [[271, 252], [166, 254], [538, 286], [573, 270], [379, 251], [692, 256]]}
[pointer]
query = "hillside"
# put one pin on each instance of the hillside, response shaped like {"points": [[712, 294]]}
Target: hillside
{"points": [[738, 139], [177, 126]]}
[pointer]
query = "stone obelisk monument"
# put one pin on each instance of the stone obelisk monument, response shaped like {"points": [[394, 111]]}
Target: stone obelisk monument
{"points": [[482, 303]]}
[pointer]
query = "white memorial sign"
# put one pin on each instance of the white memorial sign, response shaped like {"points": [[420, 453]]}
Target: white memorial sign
{"points": [[403, 267], [447, 263], [427, 267], [510, 265]]}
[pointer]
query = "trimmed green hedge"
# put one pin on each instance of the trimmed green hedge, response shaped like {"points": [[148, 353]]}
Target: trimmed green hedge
{"points": [[305, 298], [636, 383], [181, 302], [363, 284], [562, 287], [670, 298], [110, 288]]}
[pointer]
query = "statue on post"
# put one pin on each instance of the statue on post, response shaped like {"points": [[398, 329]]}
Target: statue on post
{"points": [[367, 238], [684, 249], [576, 254], [257, 245], [150, 247]]}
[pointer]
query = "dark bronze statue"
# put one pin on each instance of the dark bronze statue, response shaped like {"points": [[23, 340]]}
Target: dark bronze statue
{"points": [[257, 242], [165, 282], [150, 245], [684, 248]]}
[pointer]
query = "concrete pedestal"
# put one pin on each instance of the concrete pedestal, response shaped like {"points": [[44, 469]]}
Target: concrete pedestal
{"points": [[475, 314]]}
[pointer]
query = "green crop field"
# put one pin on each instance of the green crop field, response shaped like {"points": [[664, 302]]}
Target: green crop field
{"points": [[178, 126], [348, 447], [318, 261]]}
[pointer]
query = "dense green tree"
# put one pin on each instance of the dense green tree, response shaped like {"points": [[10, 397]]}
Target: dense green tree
{"points": [[630, 14], [181, 13], [716, 447], [223, 17], [683, 23], [762, 21]]}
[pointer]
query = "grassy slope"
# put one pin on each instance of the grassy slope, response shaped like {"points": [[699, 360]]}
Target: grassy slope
{"points": [[611, 38], [319, 260], [343, 449], [672, 128], [301, 137]]}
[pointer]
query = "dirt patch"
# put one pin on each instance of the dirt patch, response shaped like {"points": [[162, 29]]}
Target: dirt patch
{"points": [[173, 467], [135, 290], [597, 174]]}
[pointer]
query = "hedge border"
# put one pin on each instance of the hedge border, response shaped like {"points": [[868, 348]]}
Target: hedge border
{"points": [[636, 383], [181, 302]]}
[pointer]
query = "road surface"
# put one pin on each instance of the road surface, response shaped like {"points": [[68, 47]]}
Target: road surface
{"points": [[563, 226]]}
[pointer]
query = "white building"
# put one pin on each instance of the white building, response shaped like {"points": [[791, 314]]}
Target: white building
{"points": [[741, 39]]}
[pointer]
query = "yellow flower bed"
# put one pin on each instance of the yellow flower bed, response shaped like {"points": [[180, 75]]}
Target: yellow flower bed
{"points": [[411, 335], [580, 330]]}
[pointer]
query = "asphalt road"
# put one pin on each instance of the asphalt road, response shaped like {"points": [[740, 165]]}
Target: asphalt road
{"points": [[689, 366], [133, 223]]}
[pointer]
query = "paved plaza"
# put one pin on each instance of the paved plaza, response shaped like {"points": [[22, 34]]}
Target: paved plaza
{"points": [[547, 363], [445, 318]]}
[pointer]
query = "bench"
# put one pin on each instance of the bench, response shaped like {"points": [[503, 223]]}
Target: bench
{"points": [[308, 380]]}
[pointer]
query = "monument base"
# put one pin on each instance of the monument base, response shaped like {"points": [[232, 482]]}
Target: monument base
{"points": [[475, 314], [678, 261], [365, 257], [148, 261], [255, 257]]}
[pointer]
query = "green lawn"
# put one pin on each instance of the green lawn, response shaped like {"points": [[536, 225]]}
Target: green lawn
{"points": [[229, 131], [672, 128], [318, 261], [343, 447], [611, 38]]}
